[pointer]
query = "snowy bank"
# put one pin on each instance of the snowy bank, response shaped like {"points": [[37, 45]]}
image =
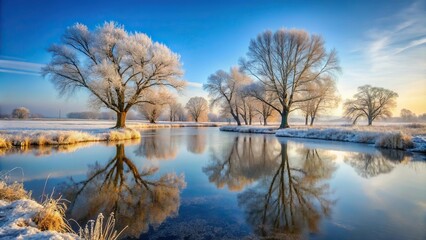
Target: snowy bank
{"points": [[16, 221], [402, 137], [393, 140], [10, 138], [241, 129], [90, 125]]}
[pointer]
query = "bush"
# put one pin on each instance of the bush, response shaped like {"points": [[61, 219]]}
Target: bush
{"points": [[394, 141]]}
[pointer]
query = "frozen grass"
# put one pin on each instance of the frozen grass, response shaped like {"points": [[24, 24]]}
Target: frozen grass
{"points": [[394, 141], [66, 132], [12, 192], [51, 217], [22, 218], [97, 230], [55, 137]]}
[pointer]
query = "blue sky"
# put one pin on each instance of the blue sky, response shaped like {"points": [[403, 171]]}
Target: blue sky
{"points": [[381, 43]]}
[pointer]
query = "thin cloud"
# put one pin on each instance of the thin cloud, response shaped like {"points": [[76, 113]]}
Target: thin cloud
{"points": [[195, 84], [392, 56], [406, 30], [20, 67]]}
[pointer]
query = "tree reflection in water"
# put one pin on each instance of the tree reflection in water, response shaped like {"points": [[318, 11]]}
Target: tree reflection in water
{"points": [[137, 200], [159, 146], [243, 161], [369, 165], [290, 196], [196, 143]]}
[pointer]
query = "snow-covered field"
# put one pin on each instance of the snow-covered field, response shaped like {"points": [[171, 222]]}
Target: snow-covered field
{"points": [[63, 132], [410, 137]]}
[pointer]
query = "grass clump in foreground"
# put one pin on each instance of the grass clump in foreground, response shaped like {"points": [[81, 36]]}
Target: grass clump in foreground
{"points": [[97, 230], [51, 215]]}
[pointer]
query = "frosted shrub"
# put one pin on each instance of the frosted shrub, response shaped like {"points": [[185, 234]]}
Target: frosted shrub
{"points": [[394, 141]]}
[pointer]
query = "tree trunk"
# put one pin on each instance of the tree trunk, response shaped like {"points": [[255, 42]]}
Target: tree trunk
{"points": [[312, 120], [152, 120], [370, 121], [236, 117], [196, 120], [121, 120], [284, 119], [306, 119], [264, 121]]}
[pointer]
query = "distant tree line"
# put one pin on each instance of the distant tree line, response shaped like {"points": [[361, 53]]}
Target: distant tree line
{"points": [[20, 113]]}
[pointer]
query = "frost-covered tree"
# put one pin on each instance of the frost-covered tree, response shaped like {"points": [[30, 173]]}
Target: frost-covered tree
{"points": [[21, 113], [224, 90], [155, 104], [284, 62], [176, 112], [247, 107], [408, 115], [197, 107], [323, 96], [263, 108], [116, 67], [371, 103]]}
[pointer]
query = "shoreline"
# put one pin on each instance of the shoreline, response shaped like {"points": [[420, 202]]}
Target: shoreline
{"points": [[73, 133], [386, 138]]}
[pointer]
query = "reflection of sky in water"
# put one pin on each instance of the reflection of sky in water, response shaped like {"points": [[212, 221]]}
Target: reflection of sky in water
{"points": [[371, 193]]}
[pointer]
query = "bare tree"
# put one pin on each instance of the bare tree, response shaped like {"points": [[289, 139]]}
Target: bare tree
{"points": [[197, 107], [115, 66], [21, 113], [323, 96], [155, 105], [262, 108], [284, 62], [247, 107], [176, 112], [408, 115], [224, 90], [370, 103]]}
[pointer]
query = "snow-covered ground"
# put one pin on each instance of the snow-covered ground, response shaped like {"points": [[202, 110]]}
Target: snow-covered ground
{"points": [[63, 132], [16, 222], [410, 137]]}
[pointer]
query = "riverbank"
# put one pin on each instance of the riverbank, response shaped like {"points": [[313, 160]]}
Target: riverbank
{"points": [[410, 137], [65, 132]]}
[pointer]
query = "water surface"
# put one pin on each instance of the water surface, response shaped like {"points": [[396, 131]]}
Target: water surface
{"points": [[200, 183]]}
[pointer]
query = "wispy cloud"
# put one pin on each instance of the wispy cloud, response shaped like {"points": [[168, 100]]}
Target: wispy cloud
{"points": [[20, 67], [195, 84], [389, 44], [392, 55]]}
